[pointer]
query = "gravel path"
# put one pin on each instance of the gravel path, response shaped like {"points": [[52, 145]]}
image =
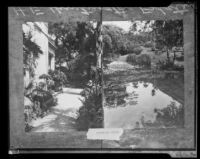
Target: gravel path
{"points": [[61, 118]]}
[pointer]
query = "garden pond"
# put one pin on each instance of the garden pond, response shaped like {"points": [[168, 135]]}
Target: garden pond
{"points": [[140, 104]]}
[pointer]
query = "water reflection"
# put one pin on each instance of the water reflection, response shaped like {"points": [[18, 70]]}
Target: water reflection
{"points": [[140, 104]]}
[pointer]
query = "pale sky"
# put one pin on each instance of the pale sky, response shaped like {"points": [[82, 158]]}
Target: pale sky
{"points": [[126, 24], [122, 24]]}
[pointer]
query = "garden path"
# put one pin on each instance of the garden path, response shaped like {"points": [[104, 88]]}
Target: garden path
{"points": [[60, 118]]}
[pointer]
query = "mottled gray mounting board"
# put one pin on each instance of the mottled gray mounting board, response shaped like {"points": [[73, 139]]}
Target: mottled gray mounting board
{"points": [[17, 15]]}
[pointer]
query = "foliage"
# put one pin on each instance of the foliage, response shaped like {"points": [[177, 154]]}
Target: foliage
{"points": [[136, 50], [107, 45], [28, 113], [130, 48], [116, 41], [144, 60], [31, 52], [132, 59], [37, 102], [148, 44], [165, 34], [139, 39], [168, 34], [171, 115], [113, 39], [59, 78], [169, 65], [75, 43], [81, 70], [141, 60], [91, 113], [180, 58], [48, 81], [72, 37]]}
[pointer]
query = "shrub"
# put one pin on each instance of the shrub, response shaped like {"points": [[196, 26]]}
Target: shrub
{"points": [[178, 67], [148, 44], [180, 58], [36, 104], [28, 113], [141, 60], [130, 48], [59, 78], [132, 59], [163, 65], [144, 60], [171, 115], [91, 113], [169, 65], [136, 50]]}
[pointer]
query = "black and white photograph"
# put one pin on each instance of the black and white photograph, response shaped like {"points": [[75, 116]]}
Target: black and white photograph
{"points": [[102, 78], [58, 63], [144, 76]]}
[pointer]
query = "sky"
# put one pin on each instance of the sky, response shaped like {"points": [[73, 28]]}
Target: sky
{"points": [[125, 24], [122, 24]]}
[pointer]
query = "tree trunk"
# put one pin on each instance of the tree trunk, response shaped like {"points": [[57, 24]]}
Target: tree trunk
{"points": [[168, 59], [67, 65], [174, 57]]}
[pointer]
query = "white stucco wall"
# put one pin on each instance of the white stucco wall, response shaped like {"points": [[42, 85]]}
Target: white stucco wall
{"points": [[42, 41]]}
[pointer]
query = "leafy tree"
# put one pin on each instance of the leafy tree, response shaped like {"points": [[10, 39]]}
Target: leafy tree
{"points": [[113, 39], [116, 41], [75, 41], [65, 40], [107, 45], [165, 34], [168, 34]]}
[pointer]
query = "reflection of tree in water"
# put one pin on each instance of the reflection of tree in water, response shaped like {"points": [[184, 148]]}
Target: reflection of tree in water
{"points": [[132, 102], [153, 92], [135, 84], [116, 95], [172, 115], [155, 87], [145, 84]]}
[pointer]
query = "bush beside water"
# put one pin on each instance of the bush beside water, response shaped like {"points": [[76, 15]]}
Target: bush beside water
{"points": [[131, 49], [141, 60], [169, 65], [91, 113], [172, 115], [136, 50], [148, 44]]}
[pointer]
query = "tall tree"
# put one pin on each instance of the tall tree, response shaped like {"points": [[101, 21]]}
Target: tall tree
{"points": [[113, 39], [65, 40], [169, 34], [74, 41], [165, 34]]}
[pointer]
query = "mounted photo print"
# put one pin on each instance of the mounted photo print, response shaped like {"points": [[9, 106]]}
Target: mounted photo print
{"points": [[101, 79]]}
